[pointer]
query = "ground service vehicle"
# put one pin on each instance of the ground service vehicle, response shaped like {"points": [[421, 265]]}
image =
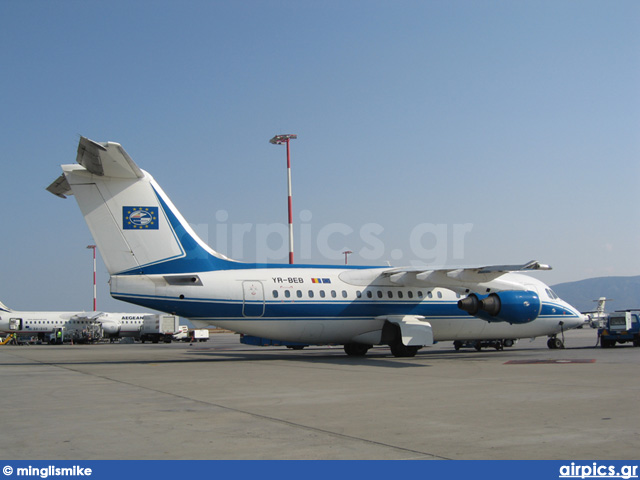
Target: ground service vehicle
{"points": [[620, 327], [156, 328]]}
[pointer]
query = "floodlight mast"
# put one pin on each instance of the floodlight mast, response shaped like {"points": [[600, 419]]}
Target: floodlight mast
{"points": [[93, 247], [279, 140]]}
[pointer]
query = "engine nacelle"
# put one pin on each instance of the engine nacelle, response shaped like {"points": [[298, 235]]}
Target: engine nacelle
{"points": [[512, 306]]}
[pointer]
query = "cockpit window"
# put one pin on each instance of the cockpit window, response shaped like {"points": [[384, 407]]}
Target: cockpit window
{"points": [[551, 294]]}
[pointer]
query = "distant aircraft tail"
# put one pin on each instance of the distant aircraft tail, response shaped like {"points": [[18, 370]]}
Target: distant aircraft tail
{"points": [[134, 224], [4, 308]]}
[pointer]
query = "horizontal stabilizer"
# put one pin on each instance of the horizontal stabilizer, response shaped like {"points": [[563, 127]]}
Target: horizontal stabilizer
{"points": [[106, 159], [60, 187]]}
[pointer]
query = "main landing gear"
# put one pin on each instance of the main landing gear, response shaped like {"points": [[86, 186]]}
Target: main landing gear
{"points": [[397, 349], [356, 349]]}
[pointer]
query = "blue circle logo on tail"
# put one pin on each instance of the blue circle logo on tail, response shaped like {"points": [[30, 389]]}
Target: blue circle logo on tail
{"points": [[140, 218]]}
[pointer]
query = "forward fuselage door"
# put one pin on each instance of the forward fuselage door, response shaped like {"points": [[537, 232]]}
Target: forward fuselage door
{"points": [[15, 324], [253, 298]]}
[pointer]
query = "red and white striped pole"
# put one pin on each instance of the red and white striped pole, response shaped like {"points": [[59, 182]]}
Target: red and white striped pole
{"points": [[279, 140], [93, 247]]}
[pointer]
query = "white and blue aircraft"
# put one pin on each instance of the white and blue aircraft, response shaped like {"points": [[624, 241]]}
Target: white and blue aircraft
{"points": [[156, 260]]}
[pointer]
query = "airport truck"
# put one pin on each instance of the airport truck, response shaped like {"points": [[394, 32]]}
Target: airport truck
{"points": [[156, 328], [620, 327], [200, 335], [197, 335], [182, 334]]}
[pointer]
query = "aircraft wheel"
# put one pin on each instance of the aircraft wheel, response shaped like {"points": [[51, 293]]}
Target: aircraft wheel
{"points": [[295, 347], [508, 343], [457, 344], [400, 350], [478, 346], [356, 349], [555, 343]]}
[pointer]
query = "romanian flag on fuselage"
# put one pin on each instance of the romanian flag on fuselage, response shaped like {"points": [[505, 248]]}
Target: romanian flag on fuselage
{"points": [[320, 280]]}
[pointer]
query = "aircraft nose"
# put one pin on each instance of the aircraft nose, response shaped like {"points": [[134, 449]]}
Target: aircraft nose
{"points": [[575, 322]]}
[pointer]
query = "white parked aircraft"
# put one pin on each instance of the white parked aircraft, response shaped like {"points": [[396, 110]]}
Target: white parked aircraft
{"points": [[156, 260], [114, 325]]}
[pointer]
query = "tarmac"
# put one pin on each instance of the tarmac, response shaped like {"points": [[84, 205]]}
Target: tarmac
{"points": [[224, 400]]}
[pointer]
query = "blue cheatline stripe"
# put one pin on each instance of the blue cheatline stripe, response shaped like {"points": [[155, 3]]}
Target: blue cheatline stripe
{"points": [[224, 308], [189, 307]]}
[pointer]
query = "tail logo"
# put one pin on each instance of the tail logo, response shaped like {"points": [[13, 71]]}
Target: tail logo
{"points": [[140, 218]]}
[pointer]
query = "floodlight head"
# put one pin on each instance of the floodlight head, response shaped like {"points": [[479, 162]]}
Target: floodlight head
{"points": [[280, 139]]}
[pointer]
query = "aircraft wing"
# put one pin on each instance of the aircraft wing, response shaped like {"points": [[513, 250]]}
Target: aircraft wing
{"points": [[88, 316], [461, 280]]}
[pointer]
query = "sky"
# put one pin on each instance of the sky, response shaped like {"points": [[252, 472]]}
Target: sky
{"points": [[429, 132]]}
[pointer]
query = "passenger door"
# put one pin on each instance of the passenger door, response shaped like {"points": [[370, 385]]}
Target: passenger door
{"points": [[253, 298], [15, 324]]}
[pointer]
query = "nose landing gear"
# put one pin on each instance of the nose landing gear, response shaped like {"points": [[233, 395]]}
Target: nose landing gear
{"points": [[554, 343]]}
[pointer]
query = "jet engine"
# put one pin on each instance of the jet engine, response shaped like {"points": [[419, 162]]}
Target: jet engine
{"points": [[512, 306]]}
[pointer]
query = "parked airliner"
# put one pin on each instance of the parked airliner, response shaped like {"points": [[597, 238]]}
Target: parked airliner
{"points": [[41, 324], [156, 260]]}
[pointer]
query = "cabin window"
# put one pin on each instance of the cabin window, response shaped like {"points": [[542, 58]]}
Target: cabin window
{"points": [[344, 294], [333, 294], [369, 294], [299, 293], [358, 294], [322, 294], [400, 294], [287, 293], [439, 294], [310, 293], [420, 295], [275, 294], [390, 294], [410, 294], [429, 295], [379, 293]]}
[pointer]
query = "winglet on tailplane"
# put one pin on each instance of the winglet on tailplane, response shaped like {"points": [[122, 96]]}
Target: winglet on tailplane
{"points": [[134, 224]]}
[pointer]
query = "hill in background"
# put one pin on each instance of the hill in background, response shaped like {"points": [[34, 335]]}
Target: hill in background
{"points": [[624, 292]]}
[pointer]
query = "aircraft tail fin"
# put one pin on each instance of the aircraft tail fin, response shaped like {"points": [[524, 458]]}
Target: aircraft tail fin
{"points": [[134, 224], [4, 308]]}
